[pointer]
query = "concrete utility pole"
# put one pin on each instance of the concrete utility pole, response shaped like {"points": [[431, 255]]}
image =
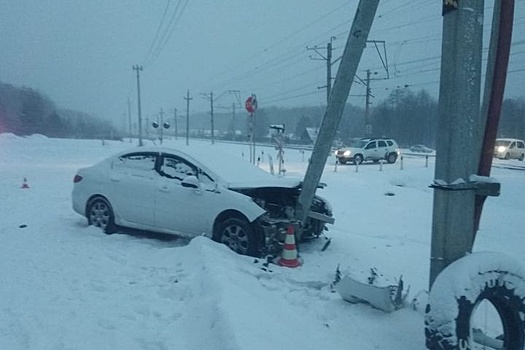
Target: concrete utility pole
{"points": [[329, 63], [368, 124], [188, 99], [233, 121], [138, 68], [129, 120], [353, 51], [175, 122], [161, 126], [210, 96], [459, 133]]}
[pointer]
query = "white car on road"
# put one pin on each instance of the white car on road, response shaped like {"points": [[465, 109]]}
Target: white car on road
{"points": [[509, 149], [220, 196]]}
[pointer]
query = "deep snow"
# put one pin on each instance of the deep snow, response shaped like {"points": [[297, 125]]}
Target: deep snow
{"points": [[64, 285]]}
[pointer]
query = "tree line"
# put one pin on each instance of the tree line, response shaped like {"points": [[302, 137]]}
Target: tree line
{"points": [[26, 111], [407, 116]]}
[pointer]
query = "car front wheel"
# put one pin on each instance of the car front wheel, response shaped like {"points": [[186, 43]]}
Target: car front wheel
{"points": [[358, 159], [100, 214], [238, 235]]}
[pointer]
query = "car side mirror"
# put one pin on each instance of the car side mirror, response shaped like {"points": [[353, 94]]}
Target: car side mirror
{"points": [[191, 182]]}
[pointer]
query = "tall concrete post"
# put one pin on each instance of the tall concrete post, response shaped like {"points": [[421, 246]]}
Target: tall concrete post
{"points": [[458, 133], [353, 51]]}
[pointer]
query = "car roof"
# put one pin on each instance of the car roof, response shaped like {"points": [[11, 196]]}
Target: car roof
{"points": [[231, 169]]}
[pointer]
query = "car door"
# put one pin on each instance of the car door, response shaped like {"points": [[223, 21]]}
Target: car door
{"points": [[132, 188], [371, 151], [513, 150], [186, 210], [382, 148]]}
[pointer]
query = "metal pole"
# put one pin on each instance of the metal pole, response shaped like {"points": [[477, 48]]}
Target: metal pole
{"points": [[161, 126], [129, 120], [175, 121], [211, 114], [458, 130], [343, 82], [328, 70], [138, 69]]}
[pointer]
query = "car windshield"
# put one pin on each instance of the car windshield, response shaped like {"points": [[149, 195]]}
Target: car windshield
{"points": [[504, 143], [359, 144]]}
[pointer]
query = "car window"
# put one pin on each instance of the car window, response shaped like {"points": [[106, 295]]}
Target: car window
{"points": [[136, 163], [390, 143], [371, 145], [175, 167], [381, 144], [512, 145], [521, 145]]}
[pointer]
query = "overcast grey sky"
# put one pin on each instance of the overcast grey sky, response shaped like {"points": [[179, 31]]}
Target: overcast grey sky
{"points": [[81, 53]]}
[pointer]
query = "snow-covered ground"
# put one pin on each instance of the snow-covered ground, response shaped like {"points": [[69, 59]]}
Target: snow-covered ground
{"points": [[64, 285]]}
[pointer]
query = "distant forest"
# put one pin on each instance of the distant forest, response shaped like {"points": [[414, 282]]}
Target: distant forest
{"points": [[408, 117], [26, 111]]}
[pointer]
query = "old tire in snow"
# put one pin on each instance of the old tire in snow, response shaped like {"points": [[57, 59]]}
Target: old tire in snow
{"points": [[460, 288]]}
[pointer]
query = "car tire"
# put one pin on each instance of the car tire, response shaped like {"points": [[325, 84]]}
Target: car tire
{"points": [[462, 286], [100, 214], [521, 157], [238, 235], [507, 156], [391, 158], [358, 159], [342, 161]]}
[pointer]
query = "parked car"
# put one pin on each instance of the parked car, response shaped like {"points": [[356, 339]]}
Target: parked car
{"points": [[421, 149], [169, 191], [373, 149], [509, 149]]}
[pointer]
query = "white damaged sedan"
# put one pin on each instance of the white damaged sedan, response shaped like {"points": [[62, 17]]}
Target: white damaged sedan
{"points": [[225, 198]]}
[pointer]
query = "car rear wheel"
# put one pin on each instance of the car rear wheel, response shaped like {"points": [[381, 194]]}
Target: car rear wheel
{"points": [[358, 159], [100, 214], [391, 158], [239, 236]]}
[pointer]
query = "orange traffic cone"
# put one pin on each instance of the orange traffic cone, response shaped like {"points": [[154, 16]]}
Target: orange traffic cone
{"points": [[289, 255], [24, 184]]}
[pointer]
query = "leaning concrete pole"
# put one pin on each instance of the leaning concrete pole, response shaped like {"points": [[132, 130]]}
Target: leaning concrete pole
{"points": [[458, 133], [343, 81]]}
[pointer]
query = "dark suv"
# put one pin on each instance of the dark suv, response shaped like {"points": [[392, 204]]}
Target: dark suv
{"points": [[373, 149]]}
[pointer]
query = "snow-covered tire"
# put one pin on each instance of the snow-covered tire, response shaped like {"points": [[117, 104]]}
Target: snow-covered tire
{"points": [[462, 286], [100, 214]]}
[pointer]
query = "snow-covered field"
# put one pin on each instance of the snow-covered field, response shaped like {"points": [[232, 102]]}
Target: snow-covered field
{"points": [[64, 285]]}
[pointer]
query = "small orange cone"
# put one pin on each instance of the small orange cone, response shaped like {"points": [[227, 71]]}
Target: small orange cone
{"points": [[289, 255], [25, 185]]}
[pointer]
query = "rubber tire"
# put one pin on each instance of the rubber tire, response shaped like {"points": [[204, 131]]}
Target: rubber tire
{"points": [[342, 161], [100, 214], [238, 235], [358, 159], [507, 156], [391, 158], [521, 157], [459, 289]]}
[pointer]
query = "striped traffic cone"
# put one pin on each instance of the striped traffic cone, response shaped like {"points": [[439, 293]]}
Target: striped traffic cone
{"points": [[289, 255]]}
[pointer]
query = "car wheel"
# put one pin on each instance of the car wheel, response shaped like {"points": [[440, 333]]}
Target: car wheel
{"points": [[239, 236], [459, 290], [521, 157], [507, 156], [391, 158], [100, 214], [358, 159], [342, 161]]}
